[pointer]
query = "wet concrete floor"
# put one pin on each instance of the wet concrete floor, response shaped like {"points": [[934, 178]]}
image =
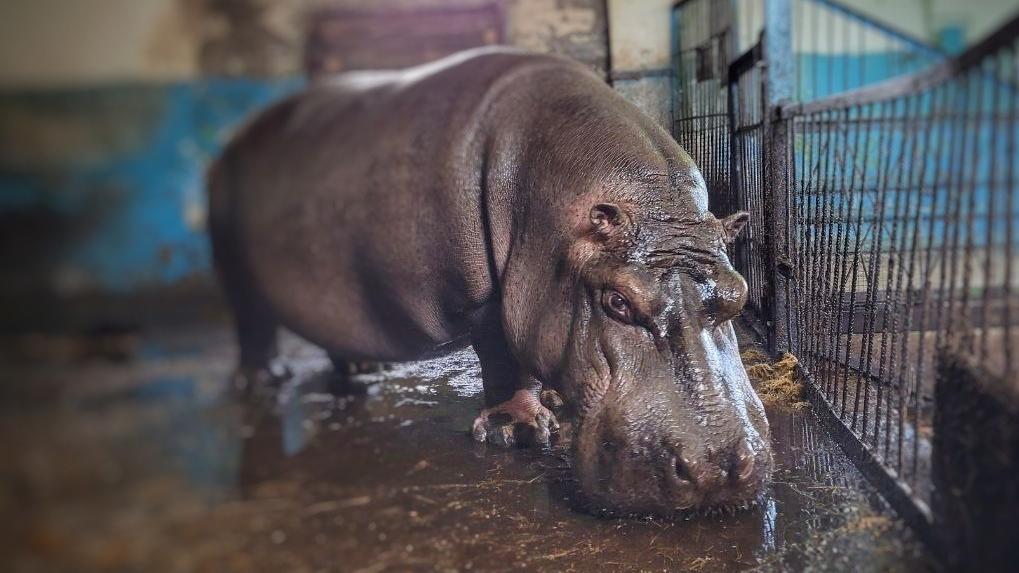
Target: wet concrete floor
{"points": [[151, 463]]}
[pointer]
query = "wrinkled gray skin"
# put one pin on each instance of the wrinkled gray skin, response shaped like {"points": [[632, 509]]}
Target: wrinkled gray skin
{"points": [[517, 202]]}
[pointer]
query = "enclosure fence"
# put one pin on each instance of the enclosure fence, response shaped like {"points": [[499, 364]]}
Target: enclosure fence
{"points": [[885, 223]]}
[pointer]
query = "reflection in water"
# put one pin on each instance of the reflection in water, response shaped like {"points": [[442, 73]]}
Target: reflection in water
{"points": [[769, 512]]}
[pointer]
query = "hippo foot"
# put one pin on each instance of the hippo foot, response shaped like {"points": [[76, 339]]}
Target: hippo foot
{"points": [[552, 400], [521, 419], [356, 367], [247, 378]]}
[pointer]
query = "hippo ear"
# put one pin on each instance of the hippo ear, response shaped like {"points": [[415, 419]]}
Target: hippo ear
{"points": [[606, 218], [733, 224]]}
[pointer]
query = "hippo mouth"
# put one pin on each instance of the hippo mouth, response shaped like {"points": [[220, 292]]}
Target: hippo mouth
{"points": [[634, 477]]}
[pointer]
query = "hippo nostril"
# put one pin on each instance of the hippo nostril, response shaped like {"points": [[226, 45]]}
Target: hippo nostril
{"points": [[683, 471], [743, 463]]}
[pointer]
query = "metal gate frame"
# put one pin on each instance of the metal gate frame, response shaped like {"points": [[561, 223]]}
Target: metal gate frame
{"points": [[804, 234]]}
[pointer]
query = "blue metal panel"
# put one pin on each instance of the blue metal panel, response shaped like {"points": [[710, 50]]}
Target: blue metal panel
{"points": [[119, 181]]}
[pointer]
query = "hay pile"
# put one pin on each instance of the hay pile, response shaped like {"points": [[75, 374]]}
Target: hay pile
{"points": [[776, 383]]}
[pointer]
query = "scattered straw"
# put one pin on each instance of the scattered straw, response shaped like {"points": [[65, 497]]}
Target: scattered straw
{"points": [[777, 384], [753, 356], [700, 563], [875, 523]]}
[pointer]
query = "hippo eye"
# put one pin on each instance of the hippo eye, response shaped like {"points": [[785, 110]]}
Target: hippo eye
{"points": [[617, 305]]}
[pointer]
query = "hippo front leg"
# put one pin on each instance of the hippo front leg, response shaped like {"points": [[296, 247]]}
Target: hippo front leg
{"points": [[513, 410]]}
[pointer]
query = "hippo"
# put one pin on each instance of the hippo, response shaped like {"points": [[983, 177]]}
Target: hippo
{"points": [[515, 202]]}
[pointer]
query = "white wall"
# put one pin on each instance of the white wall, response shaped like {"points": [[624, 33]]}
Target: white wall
{"points": [[49, 43], [46, 42], [639, 32]]}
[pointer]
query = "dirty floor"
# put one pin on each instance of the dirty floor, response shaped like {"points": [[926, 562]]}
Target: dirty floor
{"points": [[133, 455]]}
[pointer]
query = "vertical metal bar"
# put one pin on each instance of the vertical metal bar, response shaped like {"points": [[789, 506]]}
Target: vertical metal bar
{"points": [[830, 54], [877, 238], [814, 27], [820, 261], [845, 228], [778, 49], [848, 53], [1010, 212], [840, 269], [923, 155], [970, 189], [992, 192], [907, 263], [790, 229], [893, 276], [857, 195], [952, 218], [863, 58], [942, 111], [779, 76], [800, 193], [824, 264], [798, 47], [813, 237]]}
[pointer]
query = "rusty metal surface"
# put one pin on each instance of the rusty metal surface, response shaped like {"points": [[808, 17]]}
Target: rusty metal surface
{"points": [[342, 39]]}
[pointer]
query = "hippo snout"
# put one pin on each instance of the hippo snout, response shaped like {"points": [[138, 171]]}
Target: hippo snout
{"points": [[666, 459], [731, 477]]}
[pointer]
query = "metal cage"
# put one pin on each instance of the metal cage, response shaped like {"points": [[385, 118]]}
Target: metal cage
{"points": [[885, 220]]}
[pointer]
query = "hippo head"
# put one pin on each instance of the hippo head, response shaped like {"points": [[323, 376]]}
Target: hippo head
{"points": [[631, 323], [668, 420]]}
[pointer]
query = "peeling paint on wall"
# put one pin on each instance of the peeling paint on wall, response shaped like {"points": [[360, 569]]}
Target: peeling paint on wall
{"points": [[252, 38], [641, 34], [652, 95], [103, 150], [118, 204], [576, 29]]}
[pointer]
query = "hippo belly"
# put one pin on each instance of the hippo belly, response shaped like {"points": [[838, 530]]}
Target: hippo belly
{"points": [[350, 225]]}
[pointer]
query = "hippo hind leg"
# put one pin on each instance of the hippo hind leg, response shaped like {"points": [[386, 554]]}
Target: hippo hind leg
{"points": [[513, 413], [256, 328], [255, 324]]}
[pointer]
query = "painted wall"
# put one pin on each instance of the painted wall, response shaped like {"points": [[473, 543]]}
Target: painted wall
{"points": [[641, 37], [110, 111], [102, 188]]}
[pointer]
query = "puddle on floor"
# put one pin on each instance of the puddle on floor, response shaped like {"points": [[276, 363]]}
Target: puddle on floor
{"points": [[152, 465]]}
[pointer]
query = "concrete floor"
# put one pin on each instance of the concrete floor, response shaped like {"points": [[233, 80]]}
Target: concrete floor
{"points": [[129, 452]]}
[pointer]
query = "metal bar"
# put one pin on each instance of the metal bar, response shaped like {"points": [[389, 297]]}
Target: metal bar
{"points": [[632, 75], [778, 45], [1010, 207], [868, 208], [779, 88], [905, 37], [912, 83], [899, 494], [842, 240]]}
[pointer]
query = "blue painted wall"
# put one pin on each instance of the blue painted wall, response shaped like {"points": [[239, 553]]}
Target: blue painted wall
{"points": [[102, 189], [821, 75], [943, 157]]}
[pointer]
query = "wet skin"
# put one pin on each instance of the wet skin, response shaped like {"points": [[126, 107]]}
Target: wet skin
{"points": [[516, 202]]}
